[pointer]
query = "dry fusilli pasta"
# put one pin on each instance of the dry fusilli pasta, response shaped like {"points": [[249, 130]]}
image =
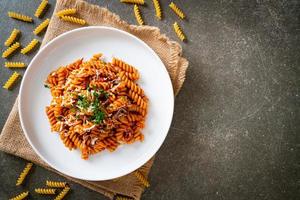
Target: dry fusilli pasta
{"points": [[41, 8], [56, 184], [96, 105], [64, 12], [140, 2], [41, 27], [62, 194], [157, 9], [142, 178], [178, 31], [10, 50], [20, 17], [73, 20], [28, 166], [45, 190], [138, 15], [29, 47], [20, 196], [14, 64], [177, 10], [12, 37]]}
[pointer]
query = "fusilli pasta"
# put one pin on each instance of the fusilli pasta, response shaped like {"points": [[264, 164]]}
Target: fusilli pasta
{"points": [[29, 47], [14, 64], [56, 184], [96, 105], [177, 10], [10, 50], [157, 9], [179, 32], [64, 12], [142, 178], [41, 8], [63, 193], [138, 15], [19, 16], [25, 172], [45, 190], [12, 79], [12, 37], [41, 27], [73, 20], [140, 2], [21, 196]]}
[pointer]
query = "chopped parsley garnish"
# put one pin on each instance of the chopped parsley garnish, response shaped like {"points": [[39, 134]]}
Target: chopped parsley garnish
{"points": [[83, 102], [46, 86], [98, 116]]}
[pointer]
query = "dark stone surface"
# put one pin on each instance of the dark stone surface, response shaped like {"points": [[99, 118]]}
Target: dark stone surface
{"points": [[235, 133]]}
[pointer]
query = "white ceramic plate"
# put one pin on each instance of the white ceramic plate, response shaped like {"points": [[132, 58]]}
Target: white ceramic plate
{"points": [[85, 42]]}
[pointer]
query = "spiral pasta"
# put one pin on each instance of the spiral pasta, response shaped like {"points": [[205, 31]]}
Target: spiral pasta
{"points": [[29, 47], [12, 79], [56, 184], [14, 64], [41, 27], [19, 16], [20, 196], [96, 105], [73, 20], [45, 190], [138, 15], [69, 11], [157, 9], [10, 50], [140, 2], [24, 173], [41, 8], [142, 178], [12, 37], [179, 32], [177, 10], [63, 193]]}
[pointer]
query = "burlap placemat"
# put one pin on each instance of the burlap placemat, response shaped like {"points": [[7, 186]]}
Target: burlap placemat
{"points": [[12, 139]]}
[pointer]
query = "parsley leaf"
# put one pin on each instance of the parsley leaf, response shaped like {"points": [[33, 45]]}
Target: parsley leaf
{"points": [[82, 102]]}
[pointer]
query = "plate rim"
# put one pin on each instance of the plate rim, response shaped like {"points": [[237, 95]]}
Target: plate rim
{"points": [[22, 91]]}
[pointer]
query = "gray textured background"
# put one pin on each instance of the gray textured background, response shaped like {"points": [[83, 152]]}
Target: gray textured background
{"points": [[235, 133]]}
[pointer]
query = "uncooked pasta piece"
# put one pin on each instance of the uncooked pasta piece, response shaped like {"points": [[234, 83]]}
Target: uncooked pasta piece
{"points": [[28, 166], [138, 15], [140, 2], [62, 194], [179, 32], [12, 37], [56, 184], [177, 10], [157, 8], [142, 178], [69, 11], [29, 47], [73, 20], [19, 16], [20, 196], [14, 64], [45, 190], [41, 8], [41, 27], [10, 50]]}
